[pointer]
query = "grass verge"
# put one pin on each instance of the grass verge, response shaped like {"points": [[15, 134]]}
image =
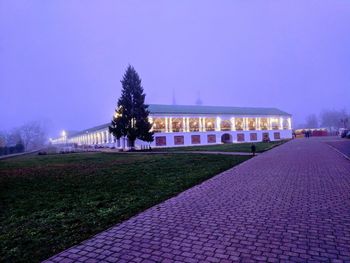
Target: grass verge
{"points": [[227, 147], [49, 203]]}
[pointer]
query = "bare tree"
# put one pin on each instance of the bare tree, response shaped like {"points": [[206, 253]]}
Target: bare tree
{"points": [[33, 135], [13, 137], [334, 119], [311, 121], [3, 138]]}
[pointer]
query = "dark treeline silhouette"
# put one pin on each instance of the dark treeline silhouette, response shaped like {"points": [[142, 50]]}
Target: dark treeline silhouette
{"points": [[27, 137], [18, 148]]}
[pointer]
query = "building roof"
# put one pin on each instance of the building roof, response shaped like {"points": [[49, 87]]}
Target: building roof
{"points": [[218, 110], [199, 109], [96, 128]]}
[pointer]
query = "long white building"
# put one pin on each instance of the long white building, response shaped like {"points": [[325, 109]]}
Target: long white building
{"points": [[184, 125]]}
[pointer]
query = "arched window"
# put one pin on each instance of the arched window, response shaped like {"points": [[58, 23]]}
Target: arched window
{"points": [[274, 123], [159, 125], [209, 124], [239, 124], [225, 125], [264, 124], [194, 124], [177, 124], [251, 124]]}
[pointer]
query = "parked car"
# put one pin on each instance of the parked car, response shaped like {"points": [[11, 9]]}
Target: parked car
{"points": [[343, 132], [348, 135]]}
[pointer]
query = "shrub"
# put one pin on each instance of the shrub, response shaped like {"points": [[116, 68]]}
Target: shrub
{"points": [[19, 147]]}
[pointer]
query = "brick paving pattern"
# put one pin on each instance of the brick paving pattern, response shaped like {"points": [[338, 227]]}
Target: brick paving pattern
{"points": [[290, 204]]}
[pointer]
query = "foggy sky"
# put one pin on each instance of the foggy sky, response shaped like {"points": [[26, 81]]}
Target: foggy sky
{"points": [[63, 60]]}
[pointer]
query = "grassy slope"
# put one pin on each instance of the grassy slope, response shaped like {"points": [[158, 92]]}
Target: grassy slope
{"points": [[229, 147], [49, 203]]}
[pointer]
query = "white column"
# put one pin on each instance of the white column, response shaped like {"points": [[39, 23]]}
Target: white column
{"points": [[187, 124], [101, 137], [200, 124], [233, 125], [150, 120], [281, 123], [269, 123], [170, 124], [184, 126], [289, 123], [218, 124], [123, 143], [203, 125], [166, 124], [257, 124]]}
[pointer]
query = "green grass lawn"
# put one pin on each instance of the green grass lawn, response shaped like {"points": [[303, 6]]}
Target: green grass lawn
{"points": [[49, 203], [227, 147]]}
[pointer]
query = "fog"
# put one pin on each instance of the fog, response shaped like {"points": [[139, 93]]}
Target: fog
{"points": [[63, 60]]}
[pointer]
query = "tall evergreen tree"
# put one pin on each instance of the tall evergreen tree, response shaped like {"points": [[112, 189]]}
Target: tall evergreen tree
{"points": [[131, 115]]}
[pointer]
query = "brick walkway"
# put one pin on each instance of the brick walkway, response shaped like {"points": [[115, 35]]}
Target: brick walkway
{"points": [[289, 204], [342, 145]]}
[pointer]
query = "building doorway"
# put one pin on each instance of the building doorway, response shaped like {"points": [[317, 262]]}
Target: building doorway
{"points": [[226, 138]]}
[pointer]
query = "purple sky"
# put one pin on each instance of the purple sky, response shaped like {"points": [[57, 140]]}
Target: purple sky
{"points": [[63, 60]]}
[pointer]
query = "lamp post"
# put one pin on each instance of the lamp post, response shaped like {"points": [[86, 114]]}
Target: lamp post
{"points": [[64, 137]]}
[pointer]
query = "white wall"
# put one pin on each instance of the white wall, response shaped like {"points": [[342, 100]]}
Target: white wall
{"points": [[284, 134], [81, 140]]}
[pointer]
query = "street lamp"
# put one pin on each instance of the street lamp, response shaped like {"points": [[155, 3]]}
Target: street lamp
{"points": [[64, 136]]}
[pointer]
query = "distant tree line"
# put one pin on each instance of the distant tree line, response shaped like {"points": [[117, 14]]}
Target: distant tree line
{"points": [[330, 119], [27, 137], [18, 148]]}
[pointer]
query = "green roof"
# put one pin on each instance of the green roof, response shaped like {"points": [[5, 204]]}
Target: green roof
{"points": [[96, 128], [196, 109]]}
